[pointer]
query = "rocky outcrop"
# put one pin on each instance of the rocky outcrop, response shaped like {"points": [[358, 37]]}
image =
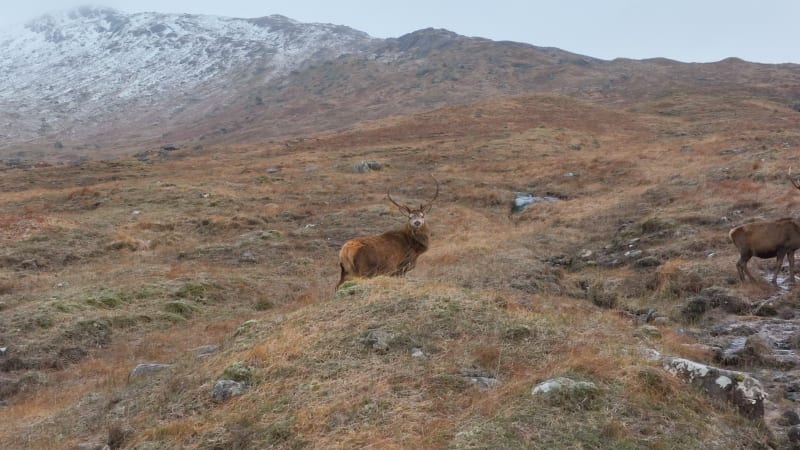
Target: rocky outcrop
{"points": [[738, 388]]}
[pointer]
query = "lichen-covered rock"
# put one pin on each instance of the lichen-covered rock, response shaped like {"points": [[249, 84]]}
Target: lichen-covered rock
{"points": [[225, 389], [564, 385], [379, 340], [742, 390], [146, 369]]}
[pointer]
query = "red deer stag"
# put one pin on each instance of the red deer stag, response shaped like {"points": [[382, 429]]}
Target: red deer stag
{"points": [[392, 253], [767, 239]]}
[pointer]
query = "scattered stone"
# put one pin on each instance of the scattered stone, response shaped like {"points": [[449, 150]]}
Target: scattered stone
{"points": [[92, 446], [366, 166], [564, 385], [650, 354], [790, 417], [378, 340], [734, 151], [418, 353], [794, 435], [644, 315], [248, 257], [225, 389], [633, 254], [742, 390], [273, 169], [559, 260], [484, 382], [29, 264], [687, 149], [792, 392], [647, 261], [146, 370], [766, 310], [480, 378], [523, 199], [648, 331], [206, 350]]}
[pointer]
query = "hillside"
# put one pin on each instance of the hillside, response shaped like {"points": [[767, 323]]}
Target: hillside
{"points": [[106, 265], [97, 83]]}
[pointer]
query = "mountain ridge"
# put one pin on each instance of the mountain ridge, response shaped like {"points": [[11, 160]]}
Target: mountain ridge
{"points": [[99, 83]]}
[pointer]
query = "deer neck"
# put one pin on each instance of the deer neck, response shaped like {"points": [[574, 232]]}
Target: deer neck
{"points": [[419, 237]]}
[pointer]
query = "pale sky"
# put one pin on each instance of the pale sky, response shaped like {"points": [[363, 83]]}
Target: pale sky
{"points": [[685, 30]]}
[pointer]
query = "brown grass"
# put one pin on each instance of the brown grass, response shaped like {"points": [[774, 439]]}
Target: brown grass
{"points": [[251, 266]]}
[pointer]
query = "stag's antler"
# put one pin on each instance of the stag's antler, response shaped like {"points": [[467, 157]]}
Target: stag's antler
{"points": [[436, 194], [403, 208]]}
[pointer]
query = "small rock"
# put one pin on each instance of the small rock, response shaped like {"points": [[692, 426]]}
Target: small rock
{"points": [[480, 378], [766, 310], [378, 339], [147, 369], [647, 261], [523, 199], [225, 389], [418, 353], [794, 435], [273, 169], [29, 264], [563, 385], [632, 254], [248, 257], [205, 350], [366, 166], [650, 354], [648, 331], [484, 382], [790, 417]]}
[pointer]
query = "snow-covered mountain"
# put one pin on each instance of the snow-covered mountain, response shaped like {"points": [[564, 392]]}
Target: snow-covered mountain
{"points": [[68, 74], [97, 82]]}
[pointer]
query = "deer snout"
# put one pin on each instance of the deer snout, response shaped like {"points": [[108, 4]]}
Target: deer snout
{"points": [[416, 223]]}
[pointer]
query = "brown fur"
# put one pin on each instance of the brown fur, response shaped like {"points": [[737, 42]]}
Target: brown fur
{"points": [[768, 239], [392, 253]]}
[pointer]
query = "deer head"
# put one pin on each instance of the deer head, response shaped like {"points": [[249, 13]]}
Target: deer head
{"points": [[416, 216]]}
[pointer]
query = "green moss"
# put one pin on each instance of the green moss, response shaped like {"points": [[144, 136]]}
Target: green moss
{"points": [[180, 308], [240, 372]]}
